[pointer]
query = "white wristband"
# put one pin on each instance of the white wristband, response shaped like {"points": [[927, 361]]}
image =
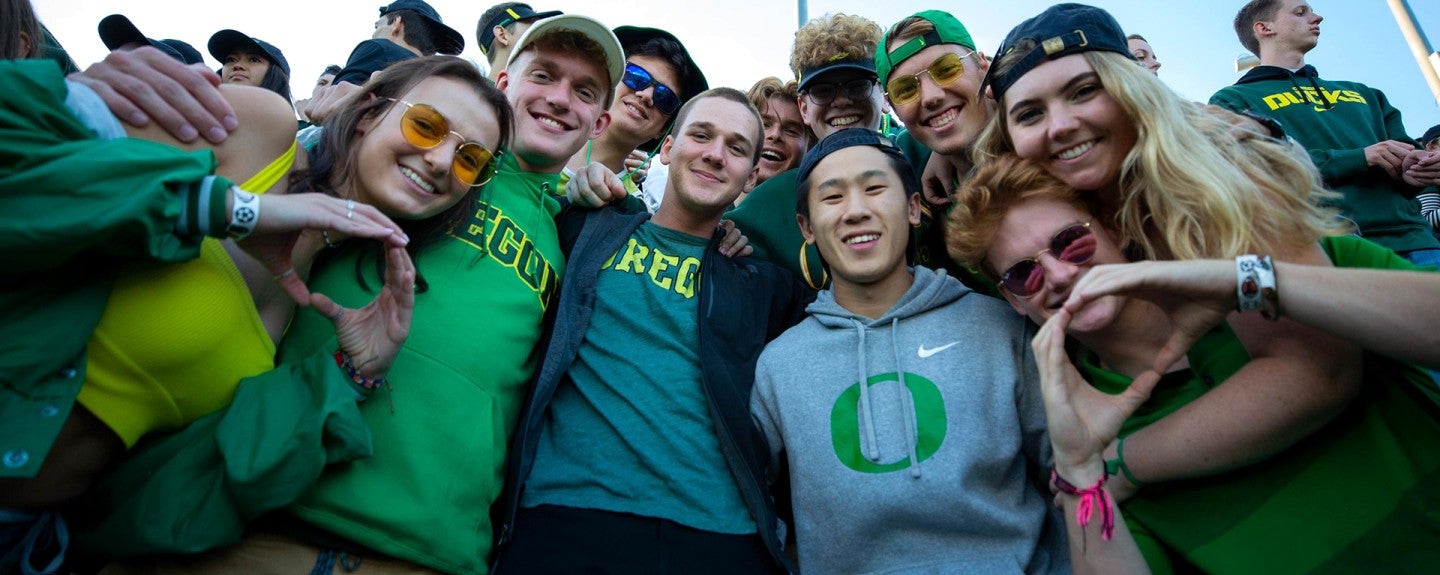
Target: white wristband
{"points": [[1255, 286], [244, 213]]}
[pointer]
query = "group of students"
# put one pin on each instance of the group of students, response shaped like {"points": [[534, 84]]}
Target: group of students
{"points": [[503, 351]]}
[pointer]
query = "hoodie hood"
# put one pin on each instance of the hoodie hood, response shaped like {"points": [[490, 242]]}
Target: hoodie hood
{"points": [[1308, 72], [930, 290]]}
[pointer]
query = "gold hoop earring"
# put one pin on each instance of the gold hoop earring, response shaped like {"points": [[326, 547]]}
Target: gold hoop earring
{"points": [[805, 270]]}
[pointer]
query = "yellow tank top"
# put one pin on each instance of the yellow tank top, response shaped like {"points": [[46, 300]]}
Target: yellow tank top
{"points": [[176, 339]]}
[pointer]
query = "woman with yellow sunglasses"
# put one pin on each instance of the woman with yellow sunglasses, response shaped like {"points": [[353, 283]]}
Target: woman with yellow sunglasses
{"points": [[418, 143]]}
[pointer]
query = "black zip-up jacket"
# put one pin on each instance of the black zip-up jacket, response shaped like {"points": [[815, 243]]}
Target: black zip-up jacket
{"points": [[743, 305]]}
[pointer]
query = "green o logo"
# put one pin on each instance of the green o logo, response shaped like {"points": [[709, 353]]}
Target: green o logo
{"points": [[930, 424]]}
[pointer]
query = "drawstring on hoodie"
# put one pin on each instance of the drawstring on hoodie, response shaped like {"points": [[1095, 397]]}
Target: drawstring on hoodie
{"points": [[872, 448], [911, 425], [1308, 72]]}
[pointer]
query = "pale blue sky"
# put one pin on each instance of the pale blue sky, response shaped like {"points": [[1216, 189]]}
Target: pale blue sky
{"points": [[739, 41]]}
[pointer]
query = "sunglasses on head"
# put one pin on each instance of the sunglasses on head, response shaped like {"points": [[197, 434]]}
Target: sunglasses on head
{"points": [[664, 98], [425, 127], [1073, 245], [944, 71], [856, 89]]}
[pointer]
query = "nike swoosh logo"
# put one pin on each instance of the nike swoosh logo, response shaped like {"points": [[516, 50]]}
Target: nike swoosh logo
{"points": [[924, 353]]}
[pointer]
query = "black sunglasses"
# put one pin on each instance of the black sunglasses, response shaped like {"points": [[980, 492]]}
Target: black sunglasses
{"points": [[856, 89]]}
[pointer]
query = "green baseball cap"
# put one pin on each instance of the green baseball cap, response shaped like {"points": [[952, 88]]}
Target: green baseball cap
{"points": [[948, 30]]}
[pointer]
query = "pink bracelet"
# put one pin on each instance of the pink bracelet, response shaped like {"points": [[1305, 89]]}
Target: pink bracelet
{"points": [[1089, 498]]}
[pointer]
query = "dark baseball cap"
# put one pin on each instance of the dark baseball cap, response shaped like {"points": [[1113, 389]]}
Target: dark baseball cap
{"points": [[838, 62], [226, 41], [1431, 134], [693, 81], [117, 30], [447, 40], [847, 138], [1061, 30], [516, 12]]}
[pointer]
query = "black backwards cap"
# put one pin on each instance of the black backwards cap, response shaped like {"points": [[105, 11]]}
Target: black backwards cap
{"points": [[117, 30], [847, 138], [1431, 134], [447, 40], [516, 13], [1061, 30]]}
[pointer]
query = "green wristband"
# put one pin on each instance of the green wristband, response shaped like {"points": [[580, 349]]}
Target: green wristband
{"points": [[1120, 462]]}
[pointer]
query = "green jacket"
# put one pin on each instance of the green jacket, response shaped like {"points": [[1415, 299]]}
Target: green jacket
{"points": [[1335, 121], [76, 210], [1359, 494]]}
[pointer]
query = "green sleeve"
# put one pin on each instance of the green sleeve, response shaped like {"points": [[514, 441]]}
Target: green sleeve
{"points": [[66, 193], [198, 488]]}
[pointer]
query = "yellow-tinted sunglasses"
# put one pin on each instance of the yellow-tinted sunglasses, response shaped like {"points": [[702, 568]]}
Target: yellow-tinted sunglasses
{"points": [[943, 71], [425, 127]]}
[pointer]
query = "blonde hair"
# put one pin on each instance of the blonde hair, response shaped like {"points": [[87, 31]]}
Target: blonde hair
{"points": [[992, 191], [1189, 189], [831, 37]]}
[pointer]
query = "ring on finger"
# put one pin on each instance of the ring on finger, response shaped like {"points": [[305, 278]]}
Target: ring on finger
{"points": [[349, 209], [338, 314]]}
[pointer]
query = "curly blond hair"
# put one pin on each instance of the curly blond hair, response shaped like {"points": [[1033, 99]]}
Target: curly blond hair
{"points": [[833, 37]]}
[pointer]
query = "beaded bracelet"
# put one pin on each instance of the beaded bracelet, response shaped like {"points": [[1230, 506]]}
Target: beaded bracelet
{"points": [[1089, 498], [1255, 286], [343, 361], [243, 214]]}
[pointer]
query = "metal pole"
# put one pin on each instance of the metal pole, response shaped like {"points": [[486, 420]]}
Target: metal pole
{"points": [[1419, 46], [804, 12]]}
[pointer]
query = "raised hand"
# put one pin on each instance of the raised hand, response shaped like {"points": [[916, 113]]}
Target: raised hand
{"points": [[1196, 295], [144, 84], [284, 216], [1082, 420], [373, 335], [594, 185]]}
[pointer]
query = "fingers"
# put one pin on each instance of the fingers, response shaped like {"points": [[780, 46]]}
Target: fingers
{"points": [[400, 278], [734, 241], [594, 186], [327, 307], [144, 84], [290, 213], [296, 289]]}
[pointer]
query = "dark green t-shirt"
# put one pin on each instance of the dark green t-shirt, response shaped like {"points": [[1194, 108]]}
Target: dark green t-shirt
{"points": [[633, 434]]}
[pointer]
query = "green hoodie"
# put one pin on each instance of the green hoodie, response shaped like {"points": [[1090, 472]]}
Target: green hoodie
{"points": [[458, 383], [1335, 121]]}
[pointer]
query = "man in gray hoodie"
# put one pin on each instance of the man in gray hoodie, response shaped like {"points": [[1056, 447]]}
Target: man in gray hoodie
{"points": [[906, 406]]}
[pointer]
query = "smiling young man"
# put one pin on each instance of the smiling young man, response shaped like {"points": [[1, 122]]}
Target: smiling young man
{"points": [[786, 135], [834, 64], [659, 77], [636, 452], [912, 440], [1354, 136]]}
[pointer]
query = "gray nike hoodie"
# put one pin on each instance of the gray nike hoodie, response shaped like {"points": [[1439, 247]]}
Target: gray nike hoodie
{"points": [[936, 463]]}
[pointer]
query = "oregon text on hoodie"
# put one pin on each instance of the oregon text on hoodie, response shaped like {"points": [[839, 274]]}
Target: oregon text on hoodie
{"points": [[1335, 121], [912, 439]]}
